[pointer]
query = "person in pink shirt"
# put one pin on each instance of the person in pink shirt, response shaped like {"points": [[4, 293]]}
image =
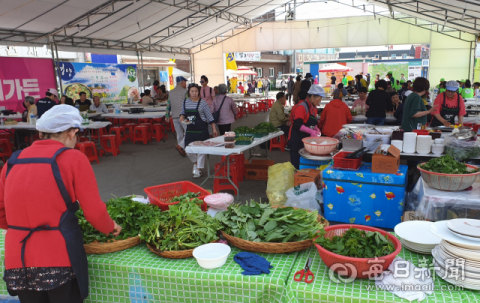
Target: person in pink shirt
{"points": [[206, 92], [362, 94], [316, 80]]}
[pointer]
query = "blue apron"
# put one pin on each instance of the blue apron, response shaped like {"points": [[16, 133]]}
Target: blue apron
{"points": [[198, 130], [68, 224]]}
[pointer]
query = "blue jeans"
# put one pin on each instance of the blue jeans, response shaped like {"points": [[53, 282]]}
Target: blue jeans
{"points": [[376, 121]]}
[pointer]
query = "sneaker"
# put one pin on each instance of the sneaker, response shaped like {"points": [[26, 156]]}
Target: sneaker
{"points": [[180, 150], [194, 168], [197, 174], [286, 148]]}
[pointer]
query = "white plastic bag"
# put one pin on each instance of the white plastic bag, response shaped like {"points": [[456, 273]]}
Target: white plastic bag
{"points": [[303, 196], [218, 202]]}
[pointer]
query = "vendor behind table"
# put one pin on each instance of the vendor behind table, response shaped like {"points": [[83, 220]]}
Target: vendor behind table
{"points": [[277, 114], [449, 105], [414, 110]]}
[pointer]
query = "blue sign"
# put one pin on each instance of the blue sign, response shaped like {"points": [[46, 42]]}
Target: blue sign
{"points": [[163, 76]]}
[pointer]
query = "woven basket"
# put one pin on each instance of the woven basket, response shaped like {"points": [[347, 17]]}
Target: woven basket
{"points": [[176, 254], [105, 248], [273, 248], [11, 122]]}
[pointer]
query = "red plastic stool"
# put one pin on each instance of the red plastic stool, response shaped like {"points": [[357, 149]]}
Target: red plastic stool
{"points": [[129, 130], [8, 136], [239, 160], [150, 131], [158, 131], [262, 106], [83, 139], [270, 102], [97, 133], [89, 149], [223, 184], [119, 131], [276, 143], [6, 147], [109, 143], [140, 134], [252, 108]]}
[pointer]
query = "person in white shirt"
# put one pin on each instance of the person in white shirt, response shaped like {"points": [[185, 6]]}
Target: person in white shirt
{"points": [[98, 106]]}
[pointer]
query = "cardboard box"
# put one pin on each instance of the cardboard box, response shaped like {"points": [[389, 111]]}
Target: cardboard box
{"points": [[386, 164], [306, 176], [410, 216], [258, 169]]}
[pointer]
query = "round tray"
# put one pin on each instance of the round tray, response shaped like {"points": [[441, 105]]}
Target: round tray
{"points": [[109, 247], [272, 247], [173, 254]]}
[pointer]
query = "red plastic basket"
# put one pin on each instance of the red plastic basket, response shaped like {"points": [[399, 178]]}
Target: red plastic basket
{"points": [[339, 161], [161, 195], [348, 266]]}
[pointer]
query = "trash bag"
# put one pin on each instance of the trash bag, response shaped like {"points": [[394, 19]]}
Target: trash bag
{"points": [[304, 196], [461, 150], [280, 179]]}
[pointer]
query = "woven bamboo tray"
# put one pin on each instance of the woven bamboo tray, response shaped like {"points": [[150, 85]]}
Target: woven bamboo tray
{"points": [[177, 254], [105, 248], [273, 248]]}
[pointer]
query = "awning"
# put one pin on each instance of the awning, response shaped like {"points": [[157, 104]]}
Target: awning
{"points": [[335, 67]]}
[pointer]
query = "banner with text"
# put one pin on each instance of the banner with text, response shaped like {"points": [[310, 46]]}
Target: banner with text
{"points": [[114, 83], [20, 77]]}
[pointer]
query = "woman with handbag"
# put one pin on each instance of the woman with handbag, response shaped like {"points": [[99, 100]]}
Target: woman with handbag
{"points": [[225, 110]]}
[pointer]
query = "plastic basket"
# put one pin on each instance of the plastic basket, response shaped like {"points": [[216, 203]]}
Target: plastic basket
{"points": [[318, 148], [243, 142], [449, 182], [260, 135], [340, 162], [161, 195], [361, 266]]}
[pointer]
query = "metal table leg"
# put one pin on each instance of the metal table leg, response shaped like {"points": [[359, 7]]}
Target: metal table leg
{"points": [[209, 176], [228, 176], [208, 170]]}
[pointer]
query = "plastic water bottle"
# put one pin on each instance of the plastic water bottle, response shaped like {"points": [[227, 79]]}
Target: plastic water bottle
{"points": [[477, 99], [1, 120], [77, 106], [33, 119]]}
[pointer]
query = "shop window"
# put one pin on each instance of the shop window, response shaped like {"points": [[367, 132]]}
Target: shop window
{"points": [[271, 72], [259, 72]]}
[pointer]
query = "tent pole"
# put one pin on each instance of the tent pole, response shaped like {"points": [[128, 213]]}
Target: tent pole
{"points": [[54, 67], [58, 69], [192, 73], [143, 72], [138, 70]]}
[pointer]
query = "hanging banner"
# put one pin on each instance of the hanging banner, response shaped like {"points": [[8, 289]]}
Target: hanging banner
{"points": [[114, 83], [163, 76], [20, 77], [231, 63], [170, 76]]}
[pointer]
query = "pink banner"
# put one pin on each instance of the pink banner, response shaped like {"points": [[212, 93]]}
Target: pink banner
{"points": [[20, 77]]}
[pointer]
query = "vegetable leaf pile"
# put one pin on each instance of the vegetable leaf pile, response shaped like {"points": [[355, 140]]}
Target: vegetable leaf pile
{"points": [[446, 165], [184, 226], [129, 214], [262, 128], [243, 130], [358, 244], [261, 223]]}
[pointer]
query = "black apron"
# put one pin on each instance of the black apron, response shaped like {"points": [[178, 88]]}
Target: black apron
{"points": [[447, 113], [198, 130], [296, 136], [68, 225]]}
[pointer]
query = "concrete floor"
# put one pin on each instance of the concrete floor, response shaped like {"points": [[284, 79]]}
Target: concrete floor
{"points": [[139, 166]]}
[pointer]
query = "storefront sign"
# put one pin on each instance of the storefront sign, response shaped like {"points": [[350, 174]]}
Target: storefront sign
{"points": [[114, 83], [20, 77], [248, 56], [308, 57], [33, 52]]}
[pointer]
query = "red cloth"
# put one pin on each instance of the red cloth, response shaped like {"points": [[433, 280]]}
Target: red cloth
{"points": [[335, 114], [29, 197], [449, 103], [298, 112]]}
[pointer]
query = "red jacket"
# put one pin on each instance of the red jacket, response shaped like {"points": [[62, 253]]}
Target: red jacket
{"points": [[29, 197], [335, 114]]}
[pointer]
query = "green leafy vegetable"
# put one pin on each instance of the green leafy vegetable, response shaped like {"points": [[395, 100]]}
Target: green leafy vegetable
{"points": [[447, 165], [183, 226], [129, 214], [261, 223], [358, 244], [243, 130], [264, 128]]}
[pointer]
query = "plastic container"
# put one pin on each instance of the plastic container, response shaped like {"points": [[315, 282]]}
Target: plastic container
{"points": [[351, 144], [318, 148], [212, 255], [230, 144], [361, 265], [340, 162], [448, 182], [229, 139], [243, 142], [161, 195], [385, 136]]}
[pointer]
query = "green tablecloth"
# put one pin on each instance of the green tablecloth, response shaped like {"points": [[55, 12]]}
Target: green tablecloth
{"points": [[138, 275], [322, 289]]}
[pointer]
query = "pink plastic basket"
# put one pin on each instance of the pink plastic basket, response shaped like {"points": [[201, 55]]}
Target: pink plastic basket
{"points": [[318, 148], [449, 182], [348, 266]]}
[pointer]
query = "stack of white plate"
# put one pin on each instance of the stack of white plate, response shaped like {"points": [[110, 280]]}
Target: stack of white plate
{"points": [[458, 243], [416, 236]]}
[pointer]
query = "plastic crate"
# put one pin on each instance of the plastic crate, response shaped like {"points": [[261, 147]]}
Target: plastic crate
{"points": [[261, 135], [243, 142], [160, 195], [340, 162]]}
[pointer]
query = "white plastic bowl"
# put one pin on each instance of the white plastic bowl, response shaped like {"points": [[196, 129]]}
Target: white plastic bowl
{"points": [[212, 255]]}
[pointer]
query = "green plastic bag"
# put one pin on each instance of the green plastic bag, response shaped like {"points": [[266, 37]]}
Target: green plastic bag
{"points": [[280, 179]]}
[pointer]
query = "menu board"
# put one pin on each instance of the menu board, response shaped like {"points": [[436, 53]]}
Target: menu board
{"points": [[113, 83]]}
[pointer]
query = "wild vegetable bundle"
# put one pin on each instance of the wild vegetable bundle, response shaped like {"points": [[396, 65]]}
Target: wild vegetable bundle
{"points": [[262, 128], [184, 226], [447, 165], [261, 223], [129, 214], [358, 244]]}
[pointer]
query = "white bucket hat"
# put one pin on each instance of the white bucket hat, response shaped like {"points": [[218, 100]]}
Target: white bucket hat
{"points": [[59, 118]]}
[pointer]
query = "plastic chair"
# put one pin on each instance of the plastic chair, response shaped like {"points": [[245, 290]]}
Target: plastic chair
{"points": [[278, 143], [158, 132], [140, 134], [109, 143], [239, 160], [6, 147], [89, 149], [224, 184], [119, 131]]}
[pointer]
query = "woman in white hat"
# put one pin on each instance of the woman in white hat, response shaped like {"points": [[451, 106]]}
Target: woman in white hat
{"points": [[41, 188]]}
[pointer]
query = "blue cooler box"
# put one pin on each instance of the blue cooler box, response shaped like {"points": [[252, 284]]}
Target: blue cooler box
{"points": [[314, 164], [363, 197]]}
